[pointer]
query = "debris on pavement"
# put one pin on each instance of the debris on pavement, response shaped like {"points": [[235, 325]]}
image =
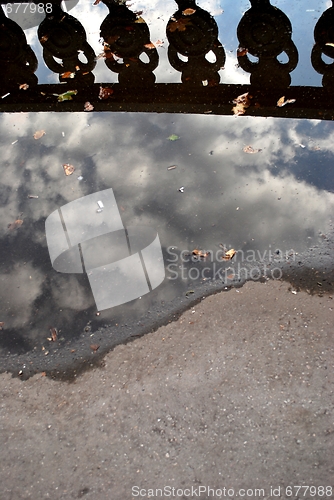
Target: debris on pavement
{"points": [[68, 169]]}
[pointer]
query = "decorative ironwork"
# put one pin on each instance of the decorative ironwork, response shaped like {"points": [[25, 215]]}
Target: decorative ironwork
{"points": [[17, 59], [265, 32], [192, 32], [126, 38], [324, 46], [63, 36]]}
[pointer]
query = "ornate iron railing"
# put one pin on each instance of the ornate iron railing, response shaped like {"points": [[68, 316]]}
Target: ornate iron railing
{"points": [[264, 32]]}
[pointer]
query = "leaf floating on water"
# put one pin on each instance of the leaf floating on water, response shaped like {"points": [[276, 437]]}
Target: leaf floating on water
{"points": [[38, 134], [250, 150], [188, 12], [105, 92], [241, 51], [68, 169], [67, 74], [229, 254], [15, 225], [54, 335], [173, 137], [178, 25], [88, 106], [200, 253], [67, 96], [149, 45], [242, 102], [282, 102]]}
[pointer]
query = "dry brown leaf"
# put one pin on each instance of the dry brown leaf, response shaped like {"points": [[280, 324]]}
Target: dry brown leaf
{"points": [[54, 335], [68, 169], [242, 52], [188, 12], [94, 347], [105, 92], [242, 102], [38, 134], [88, 106], [250, 150], [67, 74], [229, 254], [15, 224], [178, 25], [149, 45], [282, 102], [200, 253]]}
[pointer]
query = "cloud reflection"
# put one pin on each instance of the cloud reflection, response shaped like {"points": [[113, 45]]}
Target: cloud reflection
{"points": [[246, 200]]}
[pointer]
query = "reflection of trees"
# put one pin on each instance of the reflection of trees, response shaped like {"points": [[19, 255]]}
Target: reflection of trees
{"points": [[194, 50]]}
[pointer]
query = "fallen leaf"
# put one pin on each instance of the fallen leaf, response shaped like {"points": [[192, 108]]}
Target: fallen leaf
{"points": [[24, 86], [229, 254], [105, 92], [282, 102], [15, 224], [242, 102], [54, 335], [66, 96], [200, 253], [173, 137], [67, 74], [2, 324], [38, 134], [241, 51], [94, 347], [179, 25], [250, 150], [88, 106], [68, 169], [188, 12]]}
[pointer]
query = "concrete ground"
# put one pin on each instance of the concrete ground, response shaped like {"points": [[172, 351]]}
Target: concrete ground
{"points": [[237, 394]]}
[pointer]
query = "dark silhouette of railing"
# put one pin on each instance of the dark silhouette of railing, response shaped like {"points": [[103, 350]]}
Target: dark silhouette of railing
{"points": [[264, 32]]}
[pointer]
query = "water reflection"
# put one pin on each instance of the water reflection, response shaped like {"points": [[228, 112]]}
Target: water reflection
{"points": [[272, 199]]}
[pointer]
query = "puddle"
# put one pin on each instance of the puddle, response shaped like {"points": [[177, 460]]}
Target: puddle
{"points": [[112, 223]]}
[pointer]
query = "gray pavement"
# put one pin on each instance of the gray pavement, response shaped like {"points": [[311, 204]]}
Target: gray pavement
{"points": [[237, 394]]}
